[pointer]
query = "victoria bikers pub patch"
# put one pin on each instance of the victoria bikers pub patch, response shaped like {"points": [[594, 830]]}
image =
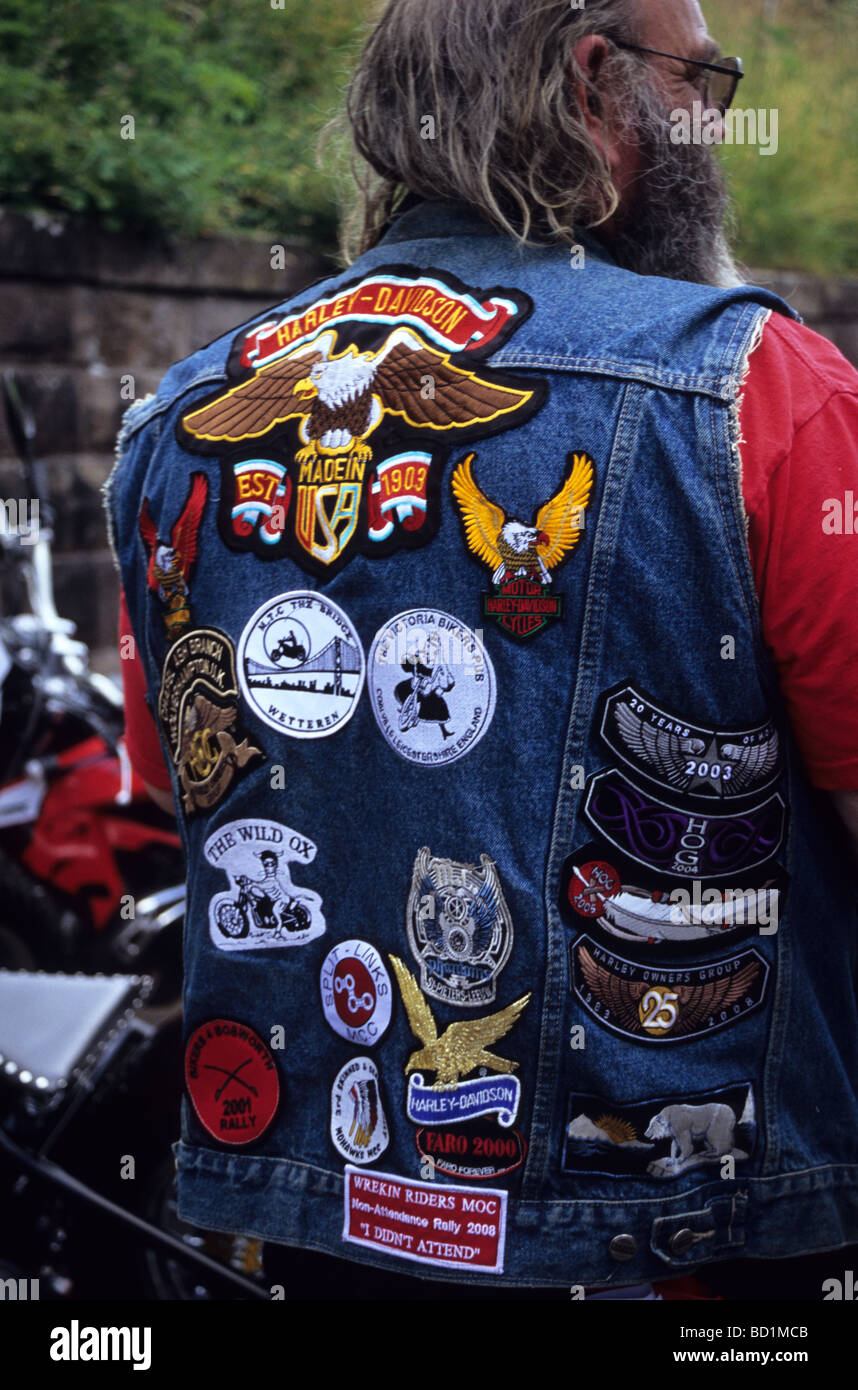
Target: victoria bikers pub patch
{"points": [[335, 426]]}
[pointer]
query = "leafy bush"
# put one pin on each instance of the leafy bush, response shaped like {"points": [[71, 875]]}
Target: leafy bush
{"points": [[796, 209], [227, 99]]}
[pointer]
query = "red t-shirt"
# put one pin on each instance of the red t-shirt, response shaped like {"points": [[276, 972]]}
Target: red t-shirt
{"points": [[799, 423]]}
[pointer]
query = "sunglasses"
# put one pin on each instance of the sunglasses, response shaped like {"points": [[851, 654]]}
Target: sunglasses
{"points": [[721, 86]]}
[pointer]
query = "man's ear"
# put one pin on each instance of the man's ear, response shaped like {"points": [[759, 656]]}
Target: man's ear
{"points": [[590, 54]]}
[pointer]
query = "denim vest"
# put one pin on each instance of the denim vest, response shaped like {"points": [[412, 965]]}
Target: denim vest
{"points": [[519, 948]]}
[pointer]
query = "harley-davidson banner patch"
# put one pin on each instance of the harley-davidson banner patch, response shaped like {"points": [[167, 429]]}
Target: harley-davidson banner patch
{"points": [[522, 601], [650, 1003], [358, 398]]}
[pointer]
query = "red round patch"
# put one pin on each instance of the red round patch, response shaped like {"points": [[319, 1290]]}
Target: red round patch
{"points": [[232, 1081], [354, 992], [597, 881]]}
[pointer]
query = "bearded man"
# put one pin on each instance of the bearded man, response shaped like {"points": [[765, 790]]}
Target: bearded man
{"points": [[540, 420]]}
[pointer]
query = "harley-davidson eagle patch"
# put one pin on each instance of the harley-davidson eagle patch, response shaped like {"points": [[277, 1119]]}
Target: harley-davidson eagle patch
{"points": [[357, 398]]}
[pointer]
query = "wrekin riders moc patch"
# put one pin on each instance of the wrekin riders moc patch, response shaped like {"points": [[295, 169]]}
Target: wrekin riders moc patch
{"points": [[335, 429]]}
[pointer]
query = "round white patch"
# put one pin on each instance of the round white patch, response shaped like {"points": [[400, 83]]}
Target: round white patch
{"points": [[358, 1124], [301, 665], [356, 992], [432, 686]]}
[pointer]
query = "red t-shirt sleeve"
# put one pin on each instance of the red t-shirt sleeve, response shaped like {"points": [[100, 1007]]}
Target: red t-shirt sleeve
{"points": [[799, 422], [141, 734]]}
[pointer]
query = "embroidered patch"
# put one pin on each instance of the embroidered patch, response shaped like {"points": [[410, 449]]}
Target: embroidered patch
{"points": [[358, 1126], [358, 397], [356, 993], [593, 888], [459, 928], [171, 562], [461, 1049], [688, 844], [198, 710], [661, 1138], [686, 757], [301, 665], [477, 1150], [232, 1081], [652, 1004], [432, 686], [522, 601], [263, 908], [453, 1227]]}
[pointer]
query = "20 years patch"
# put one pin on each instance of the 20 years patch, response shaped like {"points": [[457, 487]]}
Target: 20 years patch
{"points": [[301, 665], [232, 1081], [688, 758], [432, 686]]}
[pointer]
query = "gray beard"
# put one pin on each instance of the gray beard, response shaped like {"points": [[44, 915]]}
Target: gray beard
{"points": [[674, 221]]}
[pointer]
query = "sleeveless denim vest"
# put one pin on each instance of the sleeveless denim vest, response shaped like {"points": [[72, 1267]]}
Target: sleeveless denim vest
{"points": [[518, 948]]}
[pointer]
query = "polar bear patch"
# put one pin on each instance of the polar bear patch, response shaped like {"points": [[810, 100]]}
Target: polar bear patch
{"points": [[697, 1133]]}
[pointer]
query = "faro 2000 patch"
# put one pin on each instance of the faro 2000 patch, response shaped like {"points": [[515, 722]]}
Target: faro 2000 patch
{"points": [[358, 1125], [356, 993], [432, 686], [232, 1081], [301, 665], [263, 908]]}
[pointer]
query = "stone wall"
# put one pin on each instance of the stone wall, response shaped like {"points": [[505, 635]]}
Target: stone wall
{"points": [[81, 310]]}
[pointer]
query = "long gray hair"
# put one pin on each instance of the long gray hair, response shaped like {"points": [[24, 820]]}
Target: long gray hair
{"points": [[474, 100]]}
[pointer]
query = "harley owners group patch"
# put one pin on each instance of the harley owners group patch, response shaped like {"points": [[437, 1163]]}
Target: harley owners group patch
{"points": [[336, 427], [651, 1003]]}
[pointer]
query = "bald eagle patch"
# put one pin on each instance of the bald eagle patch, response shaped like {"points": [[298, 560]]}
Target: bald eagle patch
{"points": [[336, 427]]}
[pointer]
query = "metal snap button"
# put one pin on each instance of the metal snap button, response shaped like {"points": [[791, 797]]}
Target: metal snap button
{"points": [[623, 1248], [681, 1241]]}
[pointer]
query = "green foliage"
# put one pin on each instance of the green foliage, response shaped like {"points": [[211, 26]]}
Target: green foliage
{"points": [[796, 209], [227, 98]]}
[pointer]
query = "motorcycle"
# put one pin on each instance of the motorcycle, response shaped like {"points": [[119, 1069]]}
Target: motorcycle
{"points": [[90, 1079], [91, 871]]}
